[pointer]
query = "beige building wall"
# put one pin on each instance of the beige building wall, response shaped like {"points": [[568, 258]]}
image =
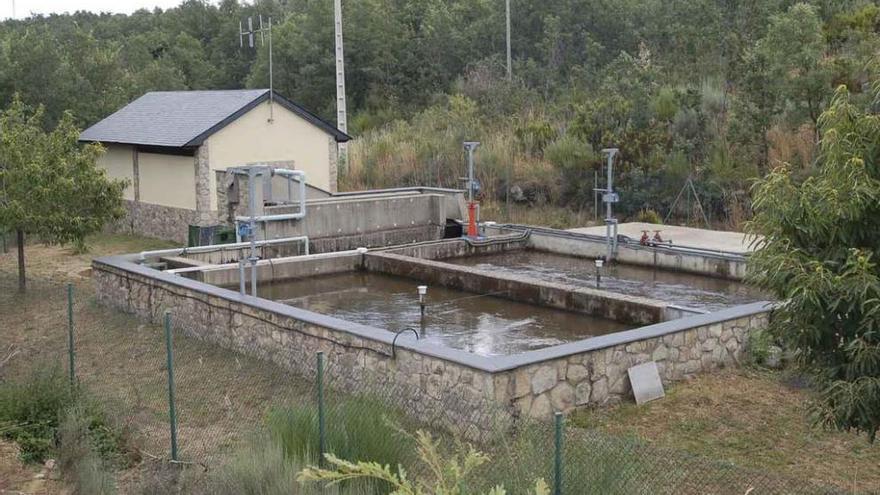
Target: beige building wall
{"points": [[118, 162], [167, 180], [252, 139]]}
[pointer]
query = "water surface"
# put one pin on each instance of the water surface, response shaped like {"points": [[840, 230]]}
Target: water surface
{"points": [[482, 324], [682, 289]]}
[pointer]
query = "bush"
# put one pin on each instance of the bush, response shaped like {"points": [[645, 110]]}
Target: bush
{"points": [[82, 438], [649, 216], [31, 409]]}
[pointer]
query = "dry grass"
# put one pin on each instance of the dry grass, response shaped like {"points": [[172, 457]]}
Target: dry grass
{"points": [[753, 418], [221, 396]]}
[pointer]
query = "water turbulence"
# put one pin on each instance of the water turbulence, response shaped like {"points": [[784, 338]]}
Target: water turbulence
{"points": [[682, 289], [482, 324]]}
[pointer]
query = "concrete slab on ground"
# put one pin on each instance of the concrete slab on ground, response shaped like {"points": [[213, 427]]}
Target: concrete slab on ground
{"points": [[730, 242]]}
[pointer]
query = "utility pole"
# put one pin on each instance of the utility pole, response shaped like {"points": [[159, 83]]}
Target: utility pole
{"points": [[509, 69], [262, 31], [341, 116]]}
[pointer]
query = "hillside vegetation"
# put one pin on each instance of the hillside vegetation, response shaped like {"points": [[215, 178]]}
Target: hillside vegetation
{"points": [[716, 90]]}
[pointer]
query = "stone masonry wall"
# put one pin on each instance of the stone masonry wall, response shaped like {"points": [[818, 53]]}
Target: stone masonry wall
{"points": [[600, 376], [463, 397], [161, 222], [430, 382]]}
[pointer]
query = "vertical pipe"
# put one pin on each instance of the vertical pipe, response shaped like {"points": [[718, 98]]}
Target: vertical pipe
{"points": [[172, 412], [557, 461], [19, 241], [252, 206], [70, 349], [241, 281], [322, 445]]}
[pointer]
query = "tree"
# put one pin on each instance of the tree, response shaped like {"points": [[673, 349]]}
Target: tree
{"points": [[49, 185], [795, 51], [819, 256]]}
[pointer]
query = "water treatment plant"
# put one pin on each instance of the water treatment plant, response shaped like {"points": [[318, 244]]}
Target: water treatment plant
{"points": [[532, 319]]}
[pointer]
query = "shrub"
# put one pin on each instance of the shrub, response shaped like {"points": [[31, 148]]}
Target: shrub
{"points": [[82, 438], [648, 216], [31, 409]]}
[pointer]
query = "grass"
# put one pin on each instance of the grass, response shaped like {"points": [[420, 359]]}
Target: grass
{"points": [[753, 418], [748, 417]]}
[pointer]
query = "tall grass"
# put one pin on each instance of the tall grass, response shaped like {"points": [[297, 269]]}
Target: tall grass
{"points": [[357, 429]]}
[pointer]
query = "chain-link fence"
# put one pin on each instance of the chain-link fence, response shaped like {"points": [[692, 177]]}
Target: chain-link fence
{"points": [[200, 404]]}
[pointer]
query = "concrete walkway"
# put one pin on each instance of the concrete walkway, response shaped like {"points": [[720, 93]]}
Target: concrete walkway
{"points": [[730, 242]]}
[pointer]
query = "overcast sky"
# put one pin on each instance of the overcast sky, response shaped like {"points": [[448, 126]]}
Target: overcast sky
{"points": [[24, 8]]}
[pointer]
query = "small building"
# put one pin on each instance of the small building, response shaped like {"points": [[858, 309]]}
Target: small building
{"points": [[174, 147]]}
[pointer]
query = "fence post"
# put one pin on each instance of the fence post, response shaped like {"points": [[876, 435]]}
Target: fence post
{"points": [[557, 461], [321, 440], [172, 413], [70, 349]]}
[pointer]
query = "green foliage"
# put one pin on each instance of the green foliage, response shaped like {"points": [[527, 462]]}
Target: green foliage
{"points": [[442, 475], [31, 409], [360, 428], [818, 254], [49, 184], [85, 445], [649, 216]]}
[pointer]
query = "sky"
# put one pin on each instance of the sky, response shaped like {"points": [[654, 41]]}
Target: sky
{"points": [[23, 8]]}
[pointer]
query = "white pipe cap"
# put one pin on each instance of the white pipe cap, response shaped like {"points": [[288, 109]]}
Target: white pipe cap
{"points": [[361, 250], [423, 289], [599, 263]]}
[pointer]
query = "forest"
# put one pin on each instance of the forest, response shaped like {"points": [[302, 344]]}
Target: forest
{"points": [[718, 91]]}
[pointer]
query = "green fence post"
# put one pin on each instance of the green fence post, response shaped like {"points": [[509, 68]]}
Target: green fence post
{"points": [[70, 349], [557, 462], [172, 413], [322, 446]]}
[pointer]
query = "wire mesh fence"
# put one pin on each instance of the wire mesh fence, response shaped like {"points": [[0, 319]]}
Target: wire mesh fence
{"points": [[204, 404]]}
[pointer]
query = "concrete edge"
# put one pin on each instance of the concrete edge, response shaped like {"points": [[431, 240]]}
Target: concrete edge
{"points": [[644, 301], [489, 364]]}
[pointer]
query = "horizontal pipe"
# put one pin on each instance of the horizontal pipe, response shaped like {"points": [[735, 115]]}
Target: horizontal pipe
{"points": [[219, 247]]}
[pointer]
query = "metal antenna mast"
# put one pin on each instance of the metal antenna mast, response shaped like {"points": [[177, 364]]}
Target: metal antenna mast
{"points": [[509, 69], [341, 116], [264, 32]]}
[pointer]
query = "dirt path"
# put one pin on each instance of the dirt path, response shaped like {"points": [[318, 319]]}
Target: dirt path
{"points": [[32, 479]]}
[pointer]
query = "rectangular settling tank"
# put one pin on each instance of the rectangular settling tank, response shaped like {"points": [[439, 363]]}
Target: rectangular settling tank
{"points": [[678, 288], [479, 323]]}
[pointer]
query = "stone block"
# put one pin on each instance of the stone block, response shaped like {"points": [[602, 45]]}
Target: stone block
{"points": [[544, 378], [582, 393]]}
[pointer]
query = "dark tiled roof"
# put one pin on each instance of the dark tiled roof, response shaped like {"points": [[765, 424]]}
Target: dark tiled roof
{"points": [[186, 118]]}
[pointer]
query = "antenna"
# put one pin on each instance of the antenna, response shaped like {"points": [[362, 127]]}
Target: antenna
{"points": [[264, 32]]}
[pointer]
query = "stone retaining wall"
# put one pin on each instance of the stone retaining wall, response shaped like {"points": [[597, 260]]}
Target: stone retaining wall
{"points": [[469, 391]]}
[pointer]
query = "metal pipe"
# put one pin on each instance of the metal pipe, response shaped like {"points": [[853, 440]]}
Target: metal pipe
{"points": [[253, 172], [217, 247]]}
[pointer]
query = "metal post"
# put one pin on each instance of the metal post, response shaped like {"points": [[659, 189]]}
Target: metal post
{"points": [[322, 446], [609, 197], [70, 349], [507, 17], [557, 461], [241, 276], [339, 52], [271, 82], [252, 206], [172, 412], [595, 195]]}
